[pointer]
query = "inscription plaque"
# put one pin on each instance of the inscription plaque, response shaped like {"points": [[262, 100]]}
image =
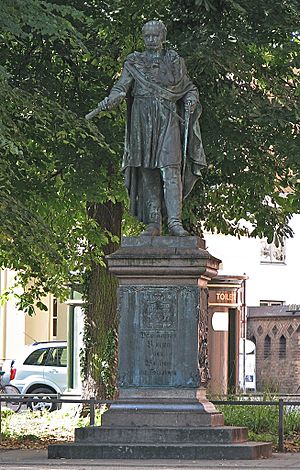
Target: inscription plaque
{"points": [[158, 335], [159, 324]]}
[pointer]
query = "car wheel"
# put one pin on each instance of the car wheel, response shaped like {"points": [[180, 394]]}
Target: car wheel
{"points": [[40, 405]]}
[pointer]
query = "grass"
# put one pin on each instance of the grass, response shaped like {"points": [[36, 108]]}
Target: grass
{"points": [[36, 429], [262, 422]]}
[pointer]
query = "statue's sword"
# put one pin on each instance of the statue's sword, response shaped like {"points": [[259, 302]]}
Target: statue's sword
{"points": [[93, 113], [187, 115]]}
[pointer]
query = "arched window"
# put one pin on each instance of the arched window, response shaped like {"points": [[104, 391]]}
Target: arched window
{"points": [[253, 339], [282, 347], [267, 347]]}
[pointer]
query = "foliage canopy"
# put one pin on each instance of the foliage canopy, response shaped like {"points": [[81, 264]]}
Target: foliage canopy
{"points": [[58, 59]]}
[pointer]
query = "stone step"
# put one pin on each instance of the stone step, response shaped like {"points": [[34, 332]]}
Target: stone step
{"points": [[113, 435], [244, 451], [161, 418]]}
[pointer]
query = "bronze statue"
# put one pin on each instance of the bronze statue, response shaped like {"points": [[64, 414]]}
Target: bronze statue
{"points": [[163, 153]]}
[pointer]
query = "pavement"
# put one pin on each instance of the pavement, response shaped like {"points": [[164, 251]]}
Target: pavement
{"points": [[21, 459]]}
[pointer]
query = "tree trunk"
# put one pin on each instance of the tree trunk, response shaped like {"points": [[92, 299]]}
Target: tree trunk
{"points": [[99, 361]]}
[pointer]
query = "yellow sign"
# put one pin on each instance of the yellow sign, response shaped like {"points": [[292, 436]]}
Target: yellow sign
{"points": [[223, 297], [227, 297]]}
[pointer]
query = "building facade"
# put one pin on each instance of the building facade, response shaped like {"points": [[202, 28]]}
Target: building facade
{"points": [[272, 271], [275, 332]]}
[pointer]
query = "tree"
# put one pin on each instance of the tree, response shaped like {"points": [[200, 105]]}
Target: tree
{"points": [[44, 143], [244, 58], [48, 150], [60, 176]]}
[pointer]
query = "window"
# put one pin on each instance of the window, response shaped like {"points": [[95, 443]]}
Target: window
{"points": [[54, 318], [37, 358], [282, 347], [267, 347], [57, 357], [270, 303], [62, 357], [270, 253]]}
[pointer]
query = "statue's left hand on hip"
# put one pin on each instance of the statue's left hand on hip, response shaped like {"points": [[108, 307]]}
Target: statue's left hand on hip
{"points": [[190, 104]]}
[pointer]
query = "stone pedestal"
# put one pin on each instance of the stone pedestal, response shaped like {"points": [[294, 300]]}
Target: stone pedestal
{"points": [[163, 330], [162, 410]]}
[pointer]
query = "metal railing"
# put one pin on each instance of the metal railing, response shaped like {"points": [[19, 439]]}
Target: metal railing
{"points": [[93, 403], [280, 403]]}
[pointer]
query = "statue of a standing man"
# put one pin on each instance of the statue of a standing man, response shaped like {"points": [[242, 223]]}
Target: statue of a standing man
{"points": [[163, 148]]}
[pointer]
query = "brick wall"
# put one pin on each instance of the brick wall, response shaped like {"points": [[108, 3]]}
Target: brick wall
{"points": [[277, 372]]}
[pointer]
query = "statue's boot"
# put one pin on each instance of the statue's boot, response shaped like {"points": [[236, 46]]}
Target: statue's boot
{"points": [[173, 201], [152, 230], [177, 230]]}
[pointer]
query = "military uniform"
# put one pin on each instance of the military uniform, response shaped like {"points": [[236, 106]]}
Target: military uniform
{"points": [[157, 89]]}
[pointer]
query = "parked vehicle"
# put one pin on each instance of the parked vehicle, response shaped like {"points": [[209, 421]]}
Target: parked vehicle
{"points": [[40, 369]]}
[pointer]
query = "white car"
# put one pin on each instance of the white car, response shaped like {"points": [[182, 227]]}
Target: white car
{"points": [[41, 369]]}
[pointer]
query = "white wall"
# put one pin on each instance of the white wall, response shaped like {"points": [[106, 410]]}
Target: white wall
{"points": [[266, 281], [12, 322]]}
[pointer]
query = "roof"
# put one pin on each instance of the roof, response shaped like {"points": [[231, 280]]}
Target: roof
{"points": [[274, 311]]}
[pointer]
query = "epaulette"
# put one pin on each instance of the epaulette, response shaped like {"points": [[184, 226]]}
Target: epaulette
{"points": [[133, 57]]}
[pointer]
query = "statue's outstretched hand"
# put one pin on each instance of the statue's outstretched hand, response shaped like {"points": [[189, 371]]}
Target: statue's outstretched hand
{"points": [[104, 104], [111, 102]]}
